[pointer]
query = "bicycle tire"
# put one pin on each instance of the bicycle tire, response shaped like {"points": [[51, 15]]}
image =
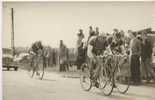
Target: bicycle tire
{"points": [[102, 80], [85, 75], [122, 82], [108, 74]]}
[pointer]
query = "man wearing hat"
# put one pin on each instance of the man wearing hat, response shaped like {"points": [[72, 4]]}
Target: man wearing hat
{"points": [[146, 57], [80, 38]]}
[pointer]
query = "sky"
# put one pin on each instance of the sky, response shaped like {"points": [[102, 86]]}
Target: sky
{"points": [[51, 22]]}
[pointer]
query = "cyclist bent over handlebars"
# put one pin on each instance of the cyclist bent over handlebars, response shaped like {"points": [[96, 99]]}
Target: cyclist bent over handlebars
{"points": [[36, 51], [96, 46]]}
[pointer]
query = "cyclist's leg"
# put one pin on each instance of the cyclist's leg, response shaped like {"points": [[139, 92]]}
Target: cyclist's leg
{"points": [[98, 67], [32, 62], [91, 64], [37, 65]]}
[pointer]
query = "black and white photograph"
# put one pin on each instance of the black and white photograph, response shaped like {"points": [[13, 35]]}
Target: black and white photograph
{"points": [[83, 50]]}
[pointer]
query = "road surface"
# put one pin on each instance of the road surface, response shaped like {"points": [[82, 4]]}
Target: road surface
{"points": [[17, 85]]}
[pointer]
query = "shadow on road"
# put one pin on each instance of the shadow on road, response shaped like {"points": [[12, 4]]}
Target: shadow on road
{"points": [[152, 85], [115, 97], [44, 79], [120, 97], [127, 96], [140, 95]]}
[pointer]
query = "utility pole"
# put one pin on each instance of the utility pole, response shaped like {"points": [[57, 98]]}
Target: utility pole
{"points": [[12, 33]]}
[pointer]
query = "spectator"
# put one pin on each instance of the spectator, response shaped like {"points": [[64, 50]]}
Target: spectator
{"points": [[122, 33], [80, 50], [46, 56], [80, 38], [146, 57], [91, 33], [115, 31], [135, 52], [97, 31], [63, 57]]}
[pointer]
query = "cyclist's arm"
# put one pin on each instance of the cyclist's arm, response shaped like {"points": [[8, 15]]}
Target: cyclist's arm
{"points": [[91, 43], [31, 52], [89, 51], [109, 51]]}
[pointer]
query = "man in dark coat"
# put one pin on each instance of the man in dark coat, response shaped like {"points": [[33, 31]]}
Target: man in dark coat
{"points": [[80, 50], [147, 49], [135, 52]]}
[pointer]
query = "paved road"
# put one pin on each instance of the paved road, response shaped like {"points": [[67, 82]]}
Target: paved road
{"points": [[19, 86]]}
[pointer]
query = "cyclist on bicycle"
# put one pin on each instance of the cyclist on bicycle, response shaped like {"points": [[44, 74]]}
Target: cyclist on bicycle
{"points": [[36, 51], [117, 48], [96, 46]]}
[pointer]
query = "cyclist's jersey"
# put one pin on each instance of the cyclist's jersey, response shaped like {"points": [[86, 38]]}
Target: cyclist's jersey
{"points": [[99, 44]]}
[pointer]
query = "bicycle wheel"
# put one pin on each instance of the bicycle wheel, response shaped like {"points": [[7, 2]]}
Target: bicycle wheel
{"points": [[102, 79], [122, 77], [106, 81], [85, 80]]}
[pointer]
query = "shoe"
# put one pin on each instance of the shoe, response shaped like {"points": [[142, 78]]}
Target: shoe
{"points": [[97, 85], [37, 74]]}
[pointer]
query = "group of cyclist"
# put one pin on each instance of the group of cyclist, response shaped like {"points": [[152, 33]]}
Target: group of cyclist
{"points": [[97, 43], [100, 44], [104, 54]]}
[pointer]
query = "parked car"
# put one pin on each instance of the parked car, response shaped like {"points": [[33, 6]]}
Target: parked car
{"points": [[8, 59]]}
